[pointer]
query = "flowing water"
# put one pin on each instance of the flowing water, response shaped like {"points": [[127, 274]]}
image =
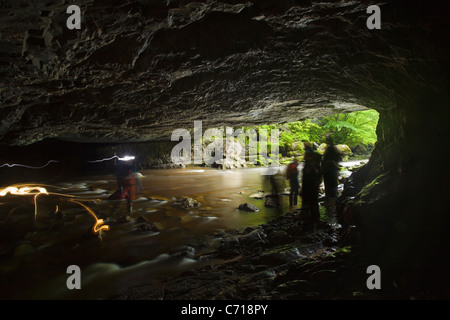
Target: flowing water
{"points": [[33, 264]]}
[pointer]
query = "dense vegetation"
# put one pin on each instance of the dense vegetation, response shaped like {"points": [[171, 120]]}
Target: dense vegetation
{"points": [[357, 130]]}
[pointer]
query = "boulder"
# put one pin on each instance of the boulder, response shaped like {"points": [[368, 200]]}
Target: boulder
{"points": [[344, 149], [124, 219], [360, 149], [231, 155], [147, 227], [188, 203], [259, 196], [321, 148], [248, 207], [272, 201]]}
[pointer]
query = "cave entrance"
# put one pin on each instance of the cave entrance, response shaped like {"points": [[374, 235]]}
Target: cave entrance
{"points": [[354, 133]]}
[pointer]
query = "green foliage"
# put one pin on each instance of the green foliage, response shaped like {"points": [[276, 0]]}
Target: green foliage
{"points": [[352, 129]]}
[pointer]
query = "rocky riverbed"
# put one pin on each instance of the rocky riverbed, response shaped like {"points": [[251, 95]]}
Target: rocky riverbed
{"points": [[282, 259], [185, 248]]}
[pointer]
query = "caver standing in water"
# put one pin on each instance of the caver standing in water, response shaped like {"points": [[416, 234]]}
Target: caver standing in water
{"points": [[129, 183]]}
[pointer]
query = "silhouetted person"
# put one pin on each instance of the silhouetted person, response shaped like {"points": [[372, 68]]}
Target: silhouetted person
{"points": [[292, 176], [270, 174], [272, 200], [330, 170], [311, 179]]}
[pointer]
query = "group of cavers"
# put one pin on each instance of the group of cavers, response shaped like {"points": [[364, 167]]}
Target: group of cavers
{"points": [[316, 167]]}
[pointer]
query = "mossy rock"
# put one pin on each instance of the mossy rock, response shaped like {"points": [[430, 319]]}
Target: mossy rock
{"points": [[344, 149], [321, 148], [360, 149]]}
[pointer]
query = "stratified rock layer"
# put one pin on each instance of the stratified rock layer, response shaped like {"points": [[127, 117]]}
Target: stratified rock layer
{"points": [[135, 71]]}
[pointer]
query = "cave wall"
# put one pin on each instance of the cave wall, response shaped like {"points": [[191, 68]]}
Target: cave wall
{"points": [[136, 71], [398, 201]]}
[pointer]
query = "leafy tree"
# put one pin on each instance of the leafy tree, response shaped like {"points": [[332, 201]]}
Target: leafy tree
{"points": [[352, 129]]}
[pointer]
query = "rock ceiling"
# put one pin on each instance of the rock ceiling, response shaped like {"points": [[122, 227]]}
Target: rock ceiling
{"points": [[138, 69]]}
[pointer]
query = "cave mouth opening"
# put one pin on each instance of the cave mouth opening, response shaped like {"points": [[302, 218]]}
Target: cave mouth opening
{"points": [[353, 132]]}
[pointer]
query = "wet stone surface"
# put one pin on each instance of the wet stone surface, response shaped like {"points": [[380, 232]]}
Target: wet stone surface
{"points": [[277, 260]]}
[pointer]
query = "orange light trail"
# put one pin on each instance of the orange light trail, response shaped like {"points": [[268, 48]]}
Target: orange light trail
{"points": [[26, 190], [98, 226]]}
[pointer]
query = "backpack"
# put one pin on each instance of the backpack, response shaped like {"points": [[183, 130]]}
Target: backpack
{"points": [[292, 168]]}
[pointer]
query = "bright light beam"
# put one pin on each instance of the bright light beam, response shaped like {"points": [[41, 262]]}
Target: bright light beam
{"points": [[26, 166], [126, 158]]}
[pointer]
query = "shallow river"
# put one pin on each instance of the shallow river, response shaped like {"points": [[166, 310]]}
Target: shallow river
{"points": [[33, 264]]}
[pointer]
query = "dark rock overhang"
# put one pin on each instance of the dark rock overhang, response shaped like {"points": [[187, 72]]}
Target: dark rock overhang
{"points": [[137, 70]]}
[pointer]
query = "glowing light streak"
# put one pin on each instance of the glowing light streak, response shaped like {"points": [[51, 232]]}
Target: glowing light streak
{"points": [[98, 226], [26, 166], [126, 158], [25, 190]]}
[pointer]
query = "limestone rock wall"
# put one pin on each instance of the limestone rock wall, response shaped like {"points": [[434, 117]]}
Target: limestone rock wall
{"points": [[137, 70]]}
